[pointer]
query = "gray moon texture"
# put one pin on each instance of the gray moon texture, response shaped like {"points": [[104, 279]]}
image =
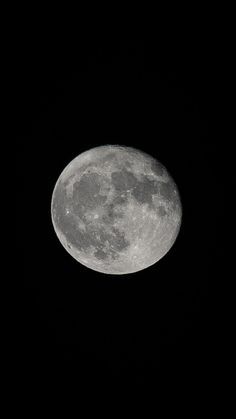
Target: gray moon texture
{"points": [[116, 209]]}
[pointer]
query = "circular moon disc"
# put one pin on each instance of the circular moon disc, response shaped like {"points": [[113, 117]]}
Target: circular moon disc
{"points": [[116, 209]]}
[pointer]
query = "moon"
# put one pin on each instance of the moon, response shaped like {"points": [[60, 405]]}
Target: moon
{"points": [[116, 209]]}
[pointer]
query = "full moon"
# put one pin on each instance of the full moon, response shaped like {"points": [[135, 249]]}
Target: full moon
{"points": [[116, 209]]}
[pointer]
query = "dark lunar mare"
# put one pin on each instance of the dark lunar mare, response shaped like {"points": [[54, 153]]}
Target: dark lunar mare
{"points": [[123, 180], [144, 190], [141, 190]]}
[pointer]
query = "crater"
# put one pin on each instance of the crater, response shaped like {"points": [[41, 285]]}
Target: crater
{"points": [[120, 200], [108, 157], [157, 168], [128, 165], [100, 254], [161, 211], [167, 191]]}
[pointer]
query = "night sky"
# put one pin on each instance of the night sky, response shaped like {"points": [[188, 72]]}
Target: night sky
{"points": [[158, 321]]}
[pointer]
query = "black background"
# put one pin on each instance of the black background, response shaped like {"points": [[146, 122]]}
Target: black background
{"points": [[162, 319]]}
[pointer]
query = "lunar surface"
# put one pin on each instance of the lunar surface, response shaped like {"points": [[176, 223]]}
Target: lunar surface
{"points": [[116, 209]]}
